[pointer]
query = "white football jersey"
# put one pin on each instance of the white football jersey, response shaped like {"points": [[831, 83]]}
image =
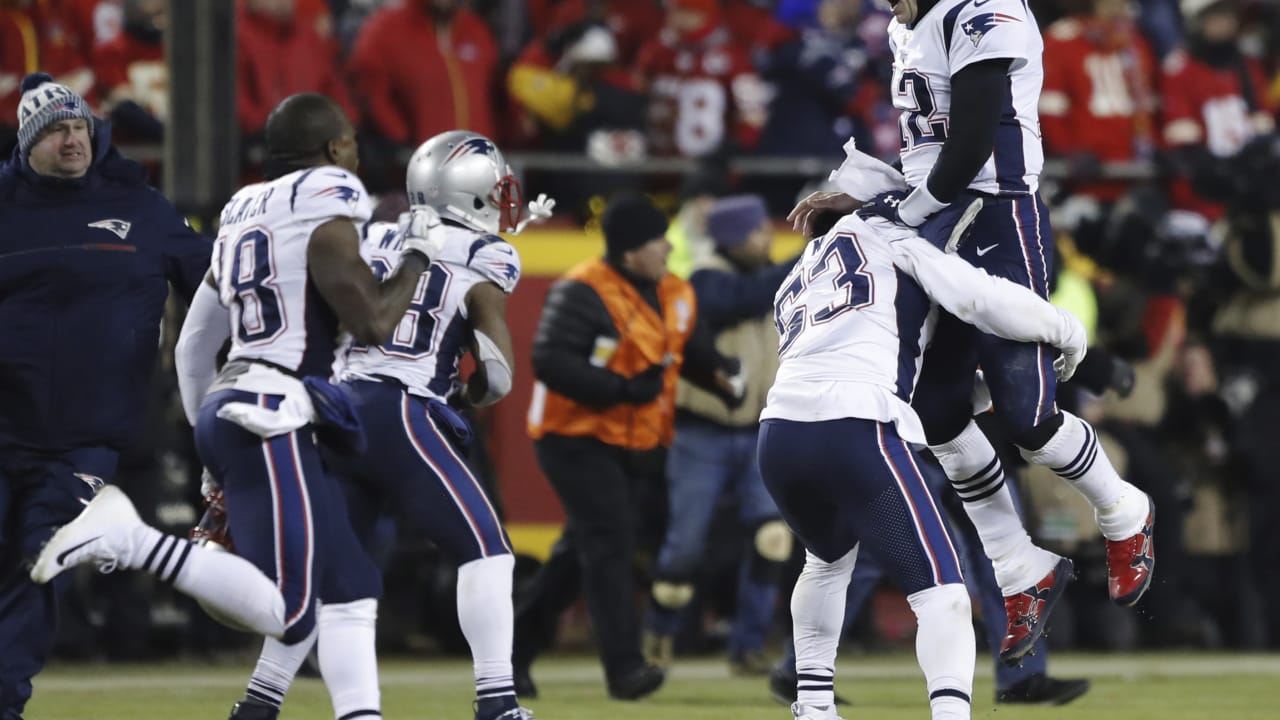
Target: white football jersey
{"points": [[424, 350], [853, 329], [260, 266], [952, 35]]}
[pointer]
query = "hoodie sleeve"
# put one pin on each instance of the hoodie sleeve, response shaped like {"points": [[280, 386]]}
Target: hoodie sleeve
{"points": [[186, 252]]}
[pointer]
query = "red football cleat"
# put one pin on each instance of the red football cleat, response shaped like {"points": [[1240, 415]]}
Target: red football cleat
{"points": [[1028, 612], [1131, 562]]}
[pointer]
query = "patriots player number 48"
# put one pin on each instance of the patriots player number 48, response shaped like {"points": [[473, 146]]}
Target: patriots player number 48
{"points": [[852, 287]]}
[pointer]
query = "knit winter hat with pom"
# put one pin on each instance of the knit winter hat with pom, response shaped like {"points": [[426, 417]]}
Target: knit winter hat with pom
{"points": [[45, 102]]}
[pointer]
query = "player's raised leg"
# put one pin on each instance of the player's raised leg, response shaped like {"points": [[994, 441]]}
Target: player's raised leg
{"points": [[110, 533], [1023, 570], [1024, 391]]}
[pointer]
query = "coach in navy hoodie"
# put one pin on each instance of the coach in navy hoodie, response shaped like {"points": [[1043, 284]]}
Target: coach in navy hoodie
{"points": [[87, 253]]}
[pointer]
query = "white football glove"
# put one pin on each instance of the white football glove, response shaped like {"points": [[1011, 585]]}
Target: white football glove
{"points": [[539, 210], [423, 232], [1073, 349], [208, 485]]}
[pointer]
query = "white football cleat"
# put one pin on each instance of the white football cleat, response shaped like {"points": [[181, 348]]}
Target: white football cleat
{"points": [[103, 532], [811, 712]]}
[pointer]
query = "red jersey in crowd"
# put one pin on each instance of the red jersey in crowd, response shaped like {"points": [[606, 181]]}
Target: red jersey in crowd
{"points": [[278, 57], [1098, 95], [95, 21], [1211, 107], [702, 92], [128, 67], [747, 20], [39, 38], [419, 80]]}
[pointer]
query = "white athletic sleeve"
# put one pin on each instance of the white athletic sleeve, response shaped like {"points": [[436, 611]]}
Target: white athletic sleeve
{"points": [[495, 260], [988, 30], [991, 304], [206, 328]]}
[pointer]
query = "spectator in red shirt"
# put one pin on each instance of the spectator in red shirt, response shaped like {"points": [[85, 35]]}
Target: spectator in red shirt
{"points": [[132, 75], [703, 93], [424, 67], [1098, 102], [57, 50], [281, 52], [1215, 103]]}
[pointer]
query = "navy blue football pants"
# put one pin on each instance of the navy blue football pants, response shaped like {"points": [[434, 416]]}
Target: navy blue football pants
{"points": [[286, 515], [841, 482], [412, 469], [1011, 238], [39, 492]]}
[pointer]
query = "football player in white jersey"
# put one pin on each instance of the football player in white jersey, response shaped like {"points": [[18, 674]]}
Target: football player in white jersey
{"points": [[413, 466], [967, 78], [286, 273], [855, 316]]}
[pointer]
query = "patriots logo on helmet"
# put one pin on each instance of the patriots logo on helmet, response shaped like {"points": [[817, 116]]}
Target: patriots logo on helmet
{"points": [[473, 146], [117, 226], [339, 192], [979, 25]]}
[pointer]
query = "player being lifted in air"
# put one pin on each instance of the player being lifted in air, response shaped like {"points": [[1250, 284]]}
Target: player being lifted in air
{"points": [[855, 315], [967, 78]]}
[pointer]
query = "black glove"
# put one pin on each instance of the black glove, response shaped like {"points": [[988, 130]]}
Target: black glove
{"points": [[643, 388]]}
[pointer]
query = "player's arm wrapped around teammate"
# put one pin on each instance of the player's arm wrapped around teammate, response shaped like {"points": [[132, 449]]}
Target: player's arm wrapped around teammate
{"points": [[993, 305]]}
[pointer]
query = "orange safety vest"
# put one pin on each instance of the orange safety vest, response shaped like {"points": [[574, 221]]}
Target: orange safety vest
{"points": [[644, 338]]}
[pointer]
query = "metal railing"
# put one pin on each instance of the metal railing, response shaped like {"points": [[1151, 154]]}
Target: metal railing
{"points": [[746, 165]]}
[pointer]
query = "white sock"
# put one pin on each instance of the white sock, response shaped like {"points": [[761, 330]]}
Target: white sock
{"points": [[349, 659], [945, 648], [231, 589], [277, 666], [978, 478], [817, 615], [1075, 454], [488, 621]]}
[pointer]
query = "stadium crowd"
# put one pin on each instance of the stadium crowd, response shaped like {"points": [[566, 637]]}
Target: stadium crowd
{"points": [[1161, 111]]}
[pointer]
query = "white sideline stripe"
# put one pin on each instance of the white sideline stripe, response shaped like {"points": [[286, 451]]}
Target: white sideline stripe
{"points": [[90, 678]]}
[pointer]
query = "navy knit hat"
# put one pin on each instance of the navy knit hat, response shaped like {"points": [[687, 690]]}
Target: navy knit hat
{"points": [[44, 103], [731, 220], [629, 221]]}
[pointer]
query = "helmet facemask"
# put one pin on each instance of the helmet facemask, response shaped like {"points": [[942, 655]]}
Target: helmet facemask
{"points": [[508, 197]]}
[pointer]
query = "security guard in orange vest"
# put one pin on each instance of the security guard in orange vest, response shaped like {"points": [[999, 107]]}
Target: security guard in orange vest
{"points": [[616, 334]]}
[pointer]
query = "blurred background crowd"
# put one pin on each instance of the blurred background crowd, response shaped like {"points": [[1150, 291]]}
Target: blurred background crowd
{"points": [[1158, 121]]}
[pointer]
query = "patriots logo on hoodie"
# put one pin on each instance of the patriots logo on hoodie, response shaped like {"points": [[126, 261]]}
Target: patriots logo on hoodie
{"points": [[119, 227], [979, 25]]}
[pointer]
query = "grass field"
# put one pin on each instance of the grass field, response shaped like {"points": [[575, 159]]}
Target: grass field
{"points": [[1126, 687]]}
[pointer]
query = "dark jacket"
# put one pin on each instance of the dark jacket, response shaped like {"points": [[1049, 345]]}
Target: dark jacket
{"points": [[573, 318], [85, 267]]}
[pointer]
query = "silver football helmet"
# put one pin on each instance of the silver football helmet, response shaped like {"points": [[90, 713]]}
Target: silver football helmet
{"points": [[465, 178]]}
